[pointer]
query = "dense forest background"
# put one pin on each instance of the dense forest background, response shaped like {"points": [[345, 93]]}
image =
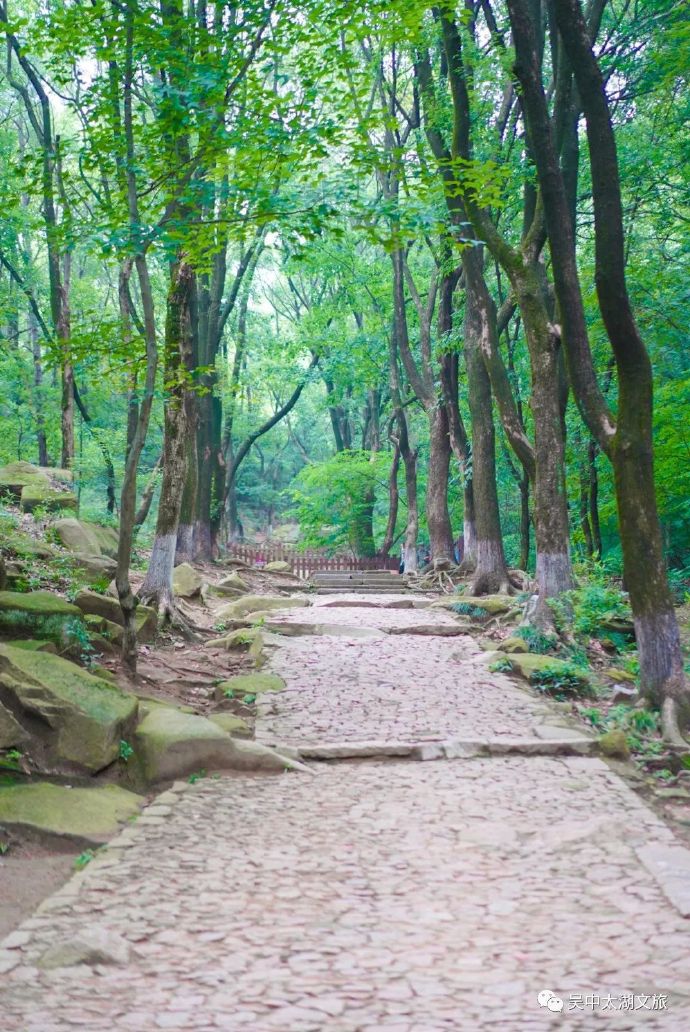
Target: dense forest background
{"points": [[280, 202]]}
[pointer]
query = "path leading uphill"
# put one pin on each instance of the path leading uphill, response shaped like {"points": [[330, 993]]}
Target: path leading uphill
{"points": [[374, 895]]}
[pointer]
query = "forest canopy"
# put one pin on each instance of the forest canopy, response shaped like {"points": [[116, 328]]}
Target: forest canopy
{"points": [[382, 277]]}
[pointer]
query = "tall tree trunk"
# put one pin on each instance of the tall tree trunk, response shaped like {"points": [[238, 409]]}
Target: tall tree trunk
{"points": [[157, 587], [437, 514], [38, 400], [491, 573], [628, 442], [393, 503]]}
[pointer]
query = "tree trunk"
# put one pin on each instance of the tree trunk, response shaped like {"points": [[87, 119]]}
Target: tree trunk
{"points": [[594, 499], [157, 587], [524, 522], [629, 442], [491, 572], [39, 416], [393, 503], [437, 515]]}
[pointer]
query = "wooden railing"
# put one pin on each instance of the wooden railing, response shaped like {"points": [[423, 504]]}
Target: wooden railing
{"points": [[303, 564]]}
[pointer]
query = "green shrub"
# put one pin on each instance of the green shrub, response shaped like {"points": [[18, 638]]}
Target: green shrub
{"points": [[467, 609], [561, 680], [536, 640]]}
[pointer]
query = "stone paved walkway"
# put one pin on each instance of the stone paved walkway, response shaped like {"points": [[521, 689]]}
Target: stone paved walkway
{"points": [[392, 687], [371, 897]]}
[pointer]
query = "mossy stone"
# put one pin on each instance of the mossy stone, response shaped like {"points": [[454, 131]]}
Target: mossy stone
{"points": [[530, 663], [38, 495], [231, 724], [39, 603], [249, 684], [11, 731], [95, 604], [260, 603], [514, 644], [187, 581], [84, 717], [614, 744], [84, 816], [34, 645], [278, 566], [77, 536]]}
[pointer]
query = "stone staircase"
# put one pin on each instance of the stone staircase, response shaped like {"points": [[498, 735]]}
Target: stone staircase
{"points": [[363, 582]]}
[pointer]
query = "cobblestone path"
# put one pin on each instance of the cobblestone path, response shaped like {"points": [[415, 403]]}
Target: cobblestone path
{"points": [[381, 896]]}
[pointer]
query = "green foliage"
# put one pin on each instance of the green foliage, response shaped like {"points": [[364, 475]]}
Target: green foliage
{"points": [[334, 501], [501, 666], [641, 727], [536, 640], [560, 680], [125, 751], [83, 859], [467, 609], [198, 775]]}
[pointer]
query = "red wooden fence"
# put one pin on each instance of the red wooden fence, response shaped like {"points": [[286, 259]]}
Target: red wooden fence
{"points": [[303, 564]]}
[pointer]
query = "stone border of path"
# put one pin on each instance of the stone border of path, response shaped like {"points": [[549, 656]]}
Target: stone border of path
{"points": [[452, 749]]}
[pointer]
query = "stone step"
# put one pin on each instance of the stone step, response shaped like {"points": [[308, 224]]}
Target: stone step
{"points": [[393, 589]]}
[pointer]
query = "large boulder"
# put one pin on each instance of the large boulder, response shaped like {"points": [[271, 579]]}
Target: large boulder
{"points": [[35, 613], [96, 566], [11, 732], [17, 475], [261, 603], [187, 581], [76, 720], [39, 603], [38, 495], [170, 744], [85, 817], [107, 537], [106, 606], [94, 547], [77, 536]]}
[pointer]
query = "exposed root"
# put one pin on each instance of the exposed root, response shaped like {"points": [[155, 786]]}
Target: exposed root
{"points": [[169, 614], [670, 729]]}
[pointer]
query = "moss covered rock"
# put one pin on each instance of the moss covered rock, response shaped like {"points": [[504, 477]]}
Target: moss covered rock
{"points": [[84, 816], [76, 720], [231, 724], [533, 667], [36, 614], [278, 566], [187, 581], [614, 744], [232, 583], [34, 645], [76, 536], [107, 537], [170, 744], [514, 644], [249, 684], [38, 495], [95, 604], [11, 731], [492, 605], [261, 603], [41, 603]]}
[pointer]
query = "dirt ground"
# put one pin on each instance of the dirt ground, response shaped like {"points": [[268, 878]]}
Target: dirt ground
{"points": [[29, 873]]}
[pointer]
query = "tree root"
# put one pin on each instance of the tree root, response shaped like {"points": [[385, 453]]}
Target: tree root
{"points": [[670, 729]]}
